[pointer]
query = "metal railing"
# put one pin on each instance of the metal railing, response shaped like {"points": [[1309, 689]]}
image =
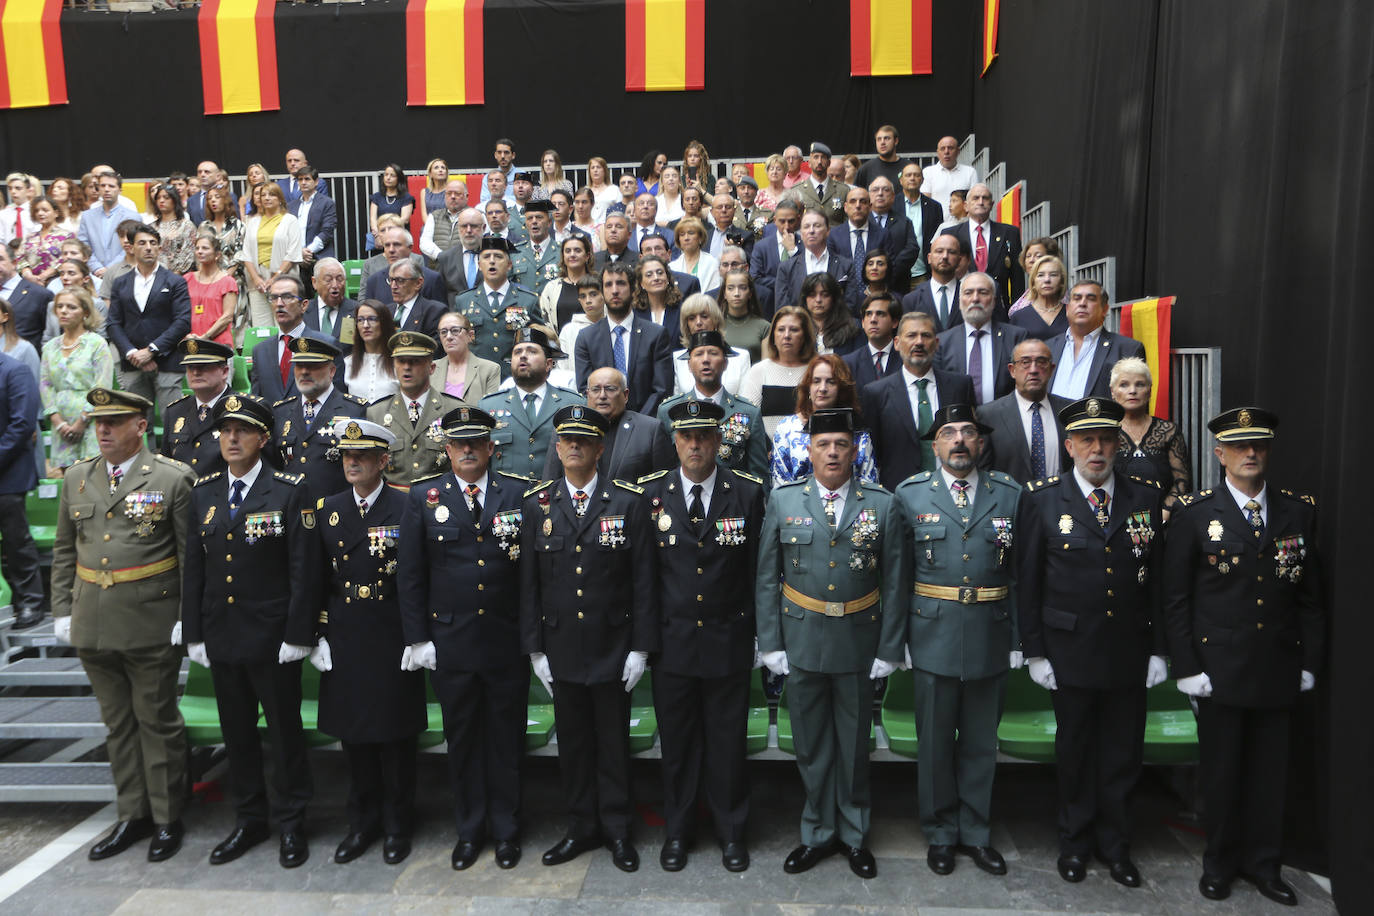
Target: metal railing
{"points": [[1035, 222], [1194, 398], [1102, 271], [996, 180], [1068, 244]]}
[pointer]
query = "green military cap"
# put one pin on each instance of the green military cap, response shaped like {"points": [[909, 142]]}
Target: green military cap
{"points": [[313, 350], [1242, 424], [362, 434], [106, 402], [578, 420], [197, 352], [954, 413], [412, 343], [694, 414], [1092, 413], [468, 423], [244, 407]]}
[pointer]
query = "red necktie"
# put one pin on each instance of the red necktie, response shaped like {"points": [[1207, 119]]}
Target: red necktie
{"points": [[980, 251], [285, 359], [18, 221]]}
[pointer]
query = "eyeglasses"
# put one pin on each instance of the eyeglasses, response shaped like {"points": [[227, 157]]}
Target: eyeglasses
{"points": [[367, 319], [393, 281], [450, 332], [1025, 362], [283, 297], [603, 389], [948, 433]]}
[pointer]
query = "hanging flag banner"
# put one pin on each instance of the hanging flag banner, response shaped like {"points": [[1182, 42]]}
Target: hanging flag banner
{"points": [[665, 45], [991, 11], [1009, 207], [1147, 320], [32, 73], [889, 37], [444, 64], [238, 56]]}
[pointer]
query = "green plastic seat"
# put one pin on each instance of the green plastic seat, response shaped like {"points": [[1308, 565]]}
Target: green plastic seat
{"points": [[433, 735], [756, 726], [256, 335], [1027, 729], [787, 745], [539, 718], [1170, 726], [353, 278], [899, 713], [239, 381], [643, 718], [6, 594], [198, 708], [41, 507]]}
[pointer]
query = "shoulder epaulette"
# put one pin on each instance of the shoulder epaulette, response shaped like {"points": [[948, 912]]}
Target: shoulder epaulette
{"points": [[506, 474], [419, 480], [740, 399], [208, 477], [179, 400], [179, 465], [319, 504], [281, 402], [920, 476], [1302, 497], [564, 390], [1003, 477], [355, 399], [522, 288], [1147, 481], [1042, 483], [387, 399], [626, 485], [287, 477], [541, 485], [793, 483], [648, 477], [399, 487], [745, 474], [446, 396]]}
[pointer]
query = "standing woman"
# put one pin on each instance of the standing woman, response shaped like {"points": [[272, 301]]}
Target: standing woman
{"points": [[214, 293], [701, 313], [255, 177], [584, 216], [436, 177], [655, 161], [559, 301], [744, 326], [369, 365], [827, 383], [669, 197], [689, 236], [836, 330], [551, 172], [657, 299], [877, 274], [74, 362], [178, 235], [696, 170], [392, 198], [75, 273], [604, 192], [1030, 255], [221, 220], [42, 250], [1148, 446], [70, 202], [776, 170], [1045, 317], [271, 250], [462, 373], [772, 382]]}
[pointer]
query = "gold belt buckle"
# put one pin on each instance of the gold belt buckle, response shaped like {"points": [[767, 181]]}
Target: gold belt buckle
{"points": [[834, 609], [106, 579], [968, 594], [364, 591]]}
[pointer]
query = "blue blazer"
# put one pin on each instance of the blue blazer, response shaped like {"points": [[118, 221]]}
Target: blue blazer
{"points": [[887, 413], [635, 229], [434, 286], [763, 267], [860, 365], [30, 306], [651, 360], [18, 420], [165, 319], [320, 221]]}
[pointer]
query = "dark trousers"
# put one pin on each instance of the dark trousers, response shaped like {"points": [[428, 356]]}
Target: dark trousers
{"points": [[1244, 769], [239, 688], [1098, 749], [956, 727], [381, 791], [704, 721], [484, 723], [831, 716], [18, 555], [594, 757]]}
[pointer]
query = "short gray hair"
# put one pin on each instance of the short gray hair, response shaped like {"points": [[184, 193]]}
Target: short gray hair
{"points": [[1130, 365]]}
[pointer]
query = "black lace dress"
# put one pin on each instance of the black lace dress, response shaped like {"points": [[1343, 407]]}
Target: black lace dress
{"points": [[1160, 455]]}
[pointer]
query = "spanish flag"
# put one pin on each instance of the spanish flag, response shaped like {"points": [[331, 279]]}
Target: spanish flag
{"points": [[238, 56], [991, 12], [444, 64], [1147, 320], [889, 37], [1009, 207], [32, 73], [665, 45]]}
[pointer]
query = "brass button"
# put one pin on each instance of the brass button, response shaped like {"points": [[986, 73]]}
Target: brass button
{"points": [[481, 587], [580, 615], [1066, 546], [579, 593], [966, 535], [832, 543], [228, 578], [1259, 602], [109, 515], [1260, 625], [967, 580], [345, 556], [229, 600], [479, 539], [577, 548], [302, 459], [441, 537], [699, 571], [1109, 570], [364, 591], [435, 615], [578, 570], [831, 586], [965, 558], [104, 561], [1259, 578], [794, 540], [1109, 613], [341, 543], [1110, 593], [1107, 549], [699, 598], [1204, 640], [481, 611], [832, 564], [229, 536], [107, 537], [481, 562], [701, 543], [699, 623]]}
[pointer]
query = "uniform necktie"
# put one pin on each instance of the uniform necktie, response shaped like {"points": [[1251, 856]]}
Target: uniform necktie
{"points": [[327, 320], [618, 351], [203, 412], [414, 411], [471, 258], [235, 499], [975, 364], [531, 410], [580, 503], [696, 509], [309, 411], [944, 306], [643, 234], [1098, 499], [960, 489], [924, 417], [1252, 513], [362, 507], [474, 500], [538, 252], [115, 476], [1037, 443], [285, 359], [830, 516], [980, 251], [858, 246], [495, 298]]}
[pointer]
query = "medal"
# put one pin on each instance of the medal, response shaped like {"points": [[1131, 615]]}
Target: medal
{"points": [[1214, 530], [432, 497], [386, 420], [333, 519], [548, 527], [179, 425], [1065, 524], [665, 523], [441, 514]]}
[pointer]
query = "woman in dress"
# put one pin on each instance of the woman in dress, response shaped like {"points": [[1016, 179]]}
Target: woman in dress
{"points": [[461, 373], [657, 298], [255, 177], [392, 198], [826, 383], [604, 191], [75, 273], [74, 362], [271, 250], [768, 198], [178, 235], [558, 301], [1045, 318], [655, 161], [1148, 446], [214, 293], [690, 236], [551, 172], [1030, 255], [583, 218], [744, 326], [369, 365], [41, 251], [772, 382], [221, 220], [436, 177], [836, 330], [669, 197], [701, 313]]}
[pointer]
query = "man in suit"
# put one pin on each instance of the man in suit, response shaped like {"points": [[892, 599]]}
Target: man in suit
{"points": [[291, 185], [150, 311], [640, 349], [498, 223], [900, 408], [830, 601], [589, 619], [195, 204], [1242, 558], [980, 347], [331, 309], [413, 311], [959, 654], [116, 595], [28, 301], [524, 413], [780, 241], [744, 443], [303, 423], [19, 408], [457, 264], [862, 232], [379, 262], [270, 377], [706, 520], [902, 246], [938, 294], [1087, 611], [98, 225], [249, 616], [497, 309], [396, 244], [815, 256], [646, 212], [317, 215], [1085, 355], [656, 247], [924, 214], [459, 582], [616, 230], [634, 444], [413, 416], [536, 263], [995, 247], [188, 433], [821, 192], [880, 358], [1025, 438]]}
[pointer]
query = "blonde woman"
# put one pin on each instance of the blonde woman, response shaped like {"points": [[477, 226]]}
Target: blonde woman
{"points": [[604, 191], [701, 313], [436, 177], [271, 250], [254, 177], [73, 363]]}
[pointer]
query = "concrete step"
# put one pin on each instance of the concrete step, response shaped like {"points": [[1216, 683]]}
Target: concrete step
{"points": [[56, 782], [54, 671], [45, 717]]}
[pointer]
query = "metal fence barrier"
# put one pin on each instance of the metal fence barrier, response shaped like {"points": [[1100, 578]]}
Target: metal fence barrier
{"points": [[1102, 271]]}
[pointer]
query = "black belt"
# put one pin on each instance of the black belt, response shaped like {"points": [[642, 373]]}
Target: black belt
{"points": [[366, 591]]}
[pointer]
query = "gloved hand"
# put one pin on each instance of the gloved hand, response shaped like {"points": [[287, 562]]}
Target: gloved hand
{"points": [[880, 669], [424, 655], [1156, 672], [289, 653], [635, 663], [196, 653], [758, 659], [175, 638], [1199, 685], [1042, 672], [1306, 681], [775, 662], [406, 663], [906, 661], [540, 663], [62, 629], [1016, 659], [321, 657]]}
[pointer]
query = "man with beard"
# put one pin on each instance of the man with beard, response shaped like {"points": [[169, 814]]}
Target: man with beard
{"points": [[640, 349], [496, 308], [981, 346], [524, 413]]}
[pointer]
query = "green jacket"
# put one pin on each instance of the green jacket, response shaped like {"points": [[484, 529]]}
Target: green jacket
{"points": [[744, 442]]}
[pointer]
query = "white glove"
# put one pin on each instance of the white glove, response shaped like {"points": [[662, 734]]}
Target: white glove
{"points": [[196, 653], [775, 662], [540, 663], [1156, 672], [176, 634], [1016, 659], [289, 653], [424, 655], [1306, 681], [406, 663], [1042, 672], [62, 629], [880, 669], [1199, 685], [635, 663], [906, 661], [321, 657], [758, 659]]}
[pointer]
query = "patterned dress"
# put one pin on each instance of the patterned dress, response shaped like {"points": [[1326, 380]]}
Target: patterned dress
{"points": [[63, 380], [40, 252], [791, 461], [178, 245]]}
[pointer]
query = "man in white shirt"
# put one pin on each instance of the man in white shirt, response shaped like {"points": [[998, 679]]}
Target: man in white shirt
{"points": [[947, 174], [15, 221], [1087, 352], [504, 154], [441, 230]]}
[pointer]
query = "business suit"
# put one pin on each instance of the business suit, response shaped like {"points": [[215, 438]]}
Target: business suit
{"points": [[744, 443], [265, 375], [650, 368], [310, 449], [896, 240], [292, 189], [792, 273], [892, 423], [30, 303], [347, 309], [628, 256], [493, 329], [452, 266], [1006, 448], [433, 289], [188, 438], [637, 447], [952, 355], [418, 451], [483, 377], [831, 202], [763, 267], [1004, 259], [320, 222], [164, 320], [921, 299], [860, 363], [686, 283], [521, 446], [932, 215], [423, 316], [1107, 352], [637, 231], [20, 404]]}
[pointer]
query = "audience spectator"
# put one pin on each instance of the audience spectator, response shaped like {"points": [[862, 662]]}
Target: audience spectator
{"points": [[743, 324], [815, 257], [876, 274], [604, 192], [436, 188], [99, 224], [392, 198], [497, 189], [73, 363], [798, 169], [845, 169], [924, 215], [826, 383], [559, 299], [592, 310], [317, 215], [27, 301], [206, 173], [881, 312], [1027, 437], [657, 297], [947, 175], [125, 231], [221, 220], [67, 197], [73, 249], [650, 171], [255, 177], [788, 348], [994, 247], [271, 250], [290, 185], [396, 247], [19, 407], [690, 236], [956, 210], [887, 163], [441, 230], [1085, 355], [150, 312], [836, 330], [331, 312], [178, 235], [657, 246], [561, 225], [628, 340], [615, 236], [498, 221], [551, 172], [503, 152], [41, 250], [938, 295], [981, 346], [15, 219], [1044, 315], [370, 375], [669, 196], [780, 241], [584, 217], [214, 293], [458, 264], [1035, 249], [628, 185], [902, 246], [75, 273], [701, 313], [271, 374], [696, 168], [459, 372], [1148, 446], [13, 343]]}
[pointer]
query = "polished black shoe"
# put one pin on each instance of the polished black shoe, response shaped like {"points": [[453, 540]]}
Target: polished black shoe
{"points": [[465, 854], [395, 848], [805, 858], [673, 856], [353, 845], [124, 835], [1124, 872], [166, 841], [507, 854], [735, 857], [294, 849], [986, 858], [240, 841], [1214, 888], [940, 858], [1073, 868], [29, 618], [570, 848], [861, 862], [1273, 887], [624, 855]]}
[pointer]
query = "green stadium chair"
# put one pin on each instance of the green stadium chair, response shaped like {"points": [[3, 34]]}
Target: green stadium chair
{"points": [[787, 745], [254, 336], [756, 726], [433, 735], [539, 719], [1027, 729], [198, 708], [643, 718], [899, 713], [41, 508], [1170, 726], [239, 379], [353, 277]]}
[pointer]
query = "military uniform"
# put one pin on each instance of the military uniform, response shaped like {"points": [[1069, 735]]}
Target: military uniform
{"points": [[831, 203], [310, 448], [743, 440], [522, 447], [535, 273], [418, 450], [188, 435], [494, 324]]}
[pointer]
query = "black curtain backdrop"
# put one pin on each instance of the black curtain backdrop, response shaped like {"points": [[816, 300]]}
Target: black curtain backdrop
{"points": [[1221, 152]]}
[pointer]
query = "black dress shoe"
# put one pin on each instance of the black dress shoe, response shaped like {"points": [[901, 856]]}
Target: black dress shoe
{"points": [[166, 841], [805, 858], [124, 835], [1073, 868], [353, 845], [673, 856], [244, 838], [986, 858], [1124, 872], [465, 854], [29, 618], [294, 849], [624, 855], [735, 857], [861, 862], [1273, 887], [940, 858], [569, 848], [507, 854], [395, 848], [1214, 888]]}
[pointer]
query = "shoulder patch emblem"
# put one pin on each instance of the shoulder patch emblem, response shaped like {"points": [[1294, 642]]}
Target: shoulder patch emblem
{"points": [[626, 485], [747, 476]]}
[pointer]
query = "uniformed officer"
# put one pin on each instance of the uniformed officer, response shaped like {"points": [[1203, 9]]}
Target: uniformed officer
{"points": [[1244, 613], [188, 435], [460, 616], [831, 610], [496, 307], [961, 634], [251, 607], [303, 425], [372, 705], [535, 263], [116, 596], [589, 619], [1087, 609], [414, 414], [706, 518], [744, 443], [525, 413]]}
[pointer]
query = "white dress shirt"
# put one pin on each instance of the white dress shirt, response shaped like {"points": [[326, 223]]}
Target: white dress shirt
{"points": [[1109, 485], [248, 479], [952, 303], [1071, 375], [1023, 407], [143, 286], [371, 497], [297, 331], [589, 489], [628, 325], [817, 264], [403, 310], [123, 467], [1241, 499], [885, 351], [480, 484], [319, 401], [913, 392], [539, 394], [706, 485]]}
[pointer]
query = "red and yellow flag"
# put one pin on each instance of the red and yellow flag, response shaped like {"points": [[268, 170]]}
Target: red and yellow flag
{"points": [[1009, 207], [238, 56], [665, 45], [991, 12], [889, 37], [444, 63], [1147, 320], [32, 73]]}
